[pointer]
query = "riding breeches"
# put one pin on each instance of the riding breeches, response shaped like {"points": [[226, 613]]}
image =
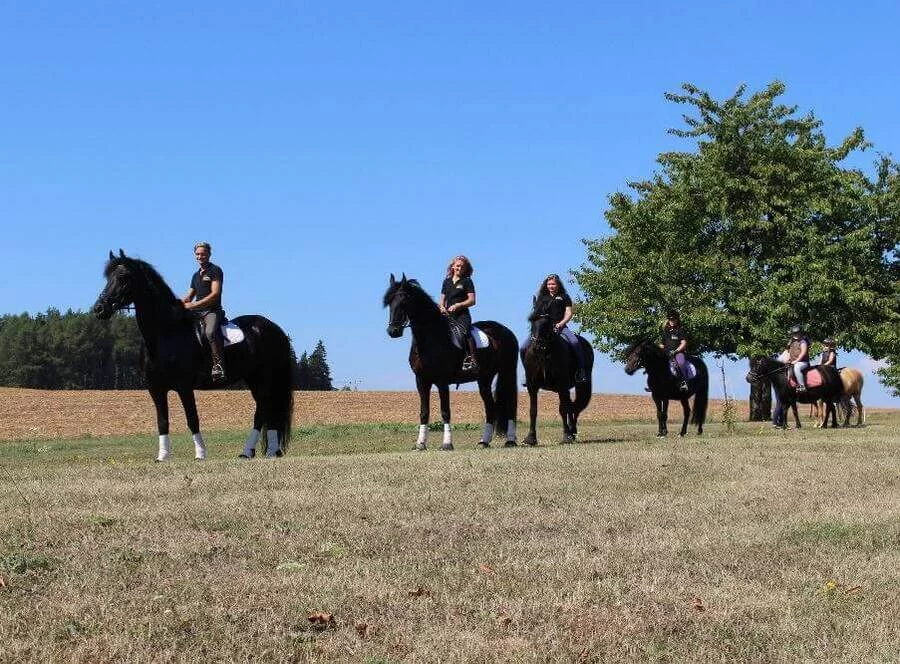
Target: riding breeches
{"points": [[209, 323], [799, 368], [570, 338]]}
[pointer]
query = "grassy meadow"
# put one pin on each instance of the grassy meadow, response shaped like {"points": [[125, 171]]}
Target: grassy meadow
{"points": [[760, 545]]}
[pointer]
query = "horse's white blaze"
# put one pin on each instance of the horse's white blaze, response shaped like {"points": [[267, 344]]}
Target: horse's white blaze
{"points": [[250, 443], [488, 433], [165, 447], [511, 431], [447, 435], [199, 446], [423, 434], [271, 443]]}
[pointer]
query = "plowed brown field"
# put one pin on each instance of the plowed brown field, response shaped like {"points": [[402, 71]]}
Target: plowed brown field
{"points": [[41, 414]]}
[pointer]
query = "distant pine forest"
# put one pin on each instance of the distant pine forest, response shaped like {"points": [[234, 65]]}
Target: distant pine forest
{"points": [[76, 351]]}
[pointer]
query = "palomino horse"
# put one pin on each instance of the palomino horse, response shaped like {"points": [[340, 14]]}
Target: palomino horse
{"points": [[549, 365], [664, 386], [852, 380], [173, 358], [825, 386], [436, 360]]}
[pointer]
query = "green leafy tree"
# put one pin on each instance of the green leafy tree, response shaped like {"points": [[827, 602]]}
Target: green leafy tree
{"points": [[756, 229]]}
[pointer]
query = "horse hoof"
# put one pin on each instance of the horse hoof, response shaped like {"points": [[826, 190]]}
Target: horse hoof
{"points": [[484, 445], [419, 447], [162, 459], [510, 443], [662, 435], [447, 447], [244, 455]]}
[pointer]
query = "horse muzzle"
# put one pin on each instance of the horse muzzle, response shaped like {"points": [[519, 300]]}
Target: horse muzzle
{"points": [[752, 377], [102, 310], [395, 331]]}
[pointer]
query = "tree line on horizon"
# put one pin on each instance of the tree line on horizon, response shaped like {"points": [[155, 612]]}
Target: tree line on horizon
{"points": [[77, 351]]}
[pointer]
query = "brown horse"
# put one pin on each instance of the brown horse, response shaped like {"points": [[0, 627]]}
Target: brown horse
{"points": [[852, 380]]}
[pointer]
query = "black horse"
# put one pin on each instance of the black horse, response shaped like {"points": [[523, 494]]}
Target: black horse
{"points": [[829, 391], [550, 365], [665, 387], [173, 358], [436, 360]]}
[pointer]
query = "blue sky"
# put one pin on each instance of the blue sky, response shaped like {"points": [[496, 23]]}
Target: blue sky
{"points": [[321, 146]]}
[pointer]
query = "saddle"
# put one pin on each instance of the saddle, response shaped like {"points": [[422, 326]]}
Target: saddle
{"points": [[691, 369], [229, 333], [812, 374], [456, 335]]}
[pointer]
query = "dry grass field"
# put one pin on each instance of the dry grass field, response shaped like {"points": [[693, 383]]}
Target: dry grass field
{"points": [[759, 545]]}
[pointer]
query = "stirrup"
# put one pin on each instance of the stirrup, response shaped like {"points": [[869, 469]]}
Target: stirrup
{"points": [[470, 363], [684, 386], [217, 373]]}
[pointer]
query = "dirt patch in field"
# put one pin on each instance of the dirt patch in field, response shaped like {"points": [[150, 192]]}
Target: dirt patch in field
{"points": [[41, 414]]}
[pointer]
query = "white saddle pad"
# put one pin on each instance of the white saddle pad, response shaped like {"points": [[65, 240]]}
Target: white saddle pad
{"points": [[232, 334], [691, 369], [481, 339]]}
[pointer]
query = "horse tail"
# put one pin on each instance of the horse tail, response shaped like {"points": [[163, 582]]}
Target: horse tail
{"points": [[701, 395], [506, 394], [584, 390], [282, 387]]}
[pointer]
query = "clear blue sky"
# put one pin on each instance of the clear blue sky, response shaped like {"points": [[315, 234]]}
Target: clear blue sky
{"points": [[321, 146]]}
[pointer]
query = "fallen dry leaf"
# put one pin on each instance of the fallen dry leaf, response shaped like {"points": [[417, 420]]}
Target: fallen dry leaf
{"points": [[321, 619], [420, 591], [485, 569], [697, 603], [2, 582], [853, 589]]}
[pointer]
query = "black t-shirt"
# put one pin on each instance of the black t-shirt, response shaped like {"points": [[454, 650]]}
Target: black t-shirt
{"points": [[202, 283], [553, 306], [458, 292], [673, 336]]}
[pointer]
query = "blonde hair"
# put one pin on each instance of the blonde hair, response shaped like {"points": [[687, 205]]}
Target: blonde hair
{"points": [[467, 266], [205, 245]]}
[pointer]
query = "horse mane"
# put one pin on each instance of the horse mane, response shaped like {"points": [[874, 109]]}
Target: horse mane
{"points": [[159, 290], [415, 290]]}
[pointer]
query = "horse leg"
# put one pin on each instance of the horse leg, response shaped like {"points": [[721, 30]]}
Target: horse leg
{"points": [[424, 389], [796, 415], [161, 401], [490, 408], [531, 438], [193, 421], [249, 450], [662, 413], [565, 407], [444, 394], [860, 417], [686, 407]]}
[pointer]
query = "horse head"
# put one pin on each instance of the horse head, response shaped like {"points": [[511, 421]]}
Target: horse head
{"points": [[396, 298], [541, 333], [119, 290], [635, 356], [760, 367]]}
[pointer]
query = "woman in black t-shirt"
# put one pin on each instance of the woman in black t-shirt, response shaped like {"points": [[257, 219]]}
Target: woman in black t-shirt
{"points": [[675, 344], [553, 300], [457, 297]]}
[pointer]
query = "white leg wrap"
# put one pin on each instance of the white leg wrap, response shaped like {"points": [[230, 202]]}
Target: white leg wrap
{"points": [[272, 446], [250, 443], [488, 433], [511, 430], [447, 437], [423, 434], [165, 448], [199, 446]]}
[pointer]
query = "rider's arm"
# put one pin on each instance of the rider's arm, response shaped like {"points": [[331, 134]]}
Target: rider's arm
{"points": [[466, 304], [190, 295], [441, 304], [567, 316], [211, 300], [682, 347]]}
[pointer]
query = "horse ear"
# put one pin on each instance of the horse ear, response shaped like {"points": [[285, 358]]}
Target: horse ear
{"points": [[393, 281], [111, 257], [121, 254], [403, 278]]}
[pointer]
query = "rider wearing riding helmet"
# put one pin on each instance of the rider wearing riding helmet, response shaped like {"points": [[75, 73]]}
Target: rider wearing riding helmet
{"points": [[798, 353], [675, 344], [457, 297], [553, 301], [829, 354]]}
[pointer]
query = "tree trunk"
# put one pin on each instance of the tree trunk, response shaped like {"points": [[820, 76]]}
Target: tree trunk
{"points": [[761, 401]]}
